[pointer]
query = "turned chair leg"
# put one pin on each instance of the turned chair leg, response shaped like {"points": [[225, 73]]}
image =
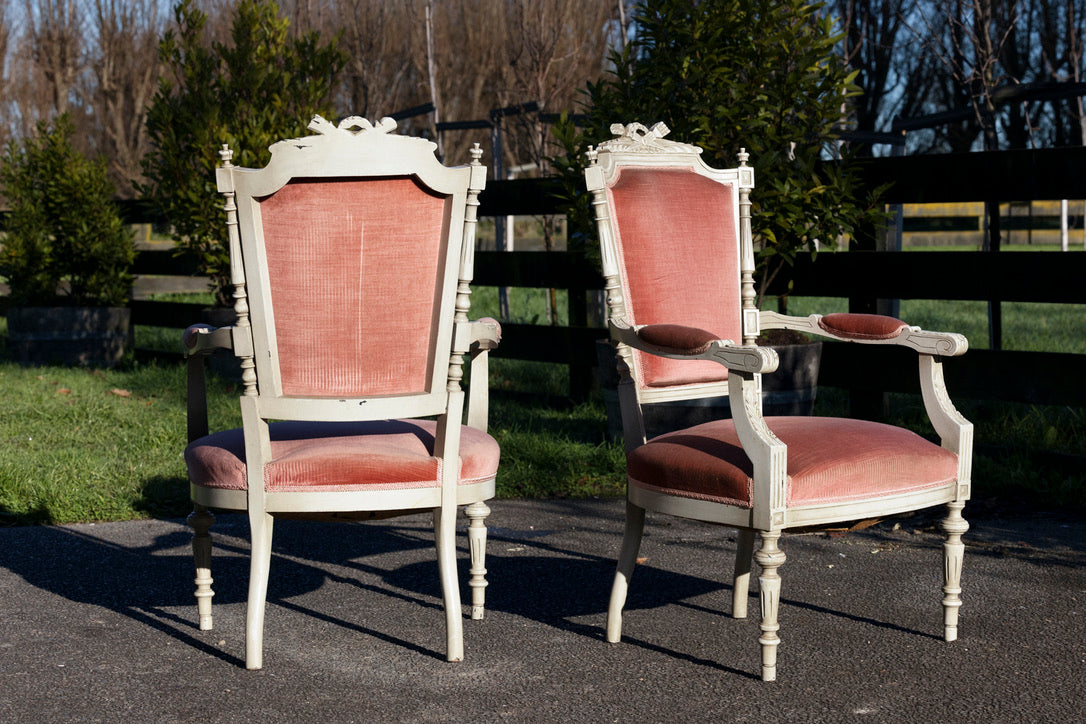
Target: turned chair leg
{"points": [[953, 552], [444, 536], [627, 558], [744, 549], [201, 520], [770, 558], [477, 513]]}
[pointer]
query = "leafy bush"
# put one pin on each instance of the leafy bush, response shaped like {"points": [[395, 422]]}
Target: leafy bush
{"points": [[66, 242], [761, 75], [261, 87]]}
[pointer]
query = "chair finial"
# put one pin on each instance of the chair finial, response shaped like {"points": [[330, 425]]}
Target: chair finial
{"points": [[226, 154], [591, 154], [743, 156], [476, 154]]}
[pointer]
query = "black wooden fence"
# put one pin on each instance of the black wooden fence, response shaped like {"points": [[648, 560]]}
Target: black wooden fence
{"points": [[860, 275]]}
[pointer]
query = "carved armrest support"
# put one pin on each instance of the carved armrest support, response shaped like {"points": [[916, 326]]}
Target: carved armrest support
{"points": [[680, 342], [768, 455], [483, 335], [203, 339], [200, 340], [871, 329]]}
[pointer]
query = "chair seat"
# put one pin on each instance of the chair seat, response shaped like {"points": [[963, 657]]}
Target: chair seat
{"points": [[829, 460], [336, 456]]}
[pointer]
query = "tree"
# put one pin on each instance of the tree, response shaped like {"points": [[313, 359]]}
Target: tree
{"points": [[125, 69], [260, 87], [553, 48], [6, 105], [46, 64], [55, 35], [869, 44], [379, 38], [763, 75]]}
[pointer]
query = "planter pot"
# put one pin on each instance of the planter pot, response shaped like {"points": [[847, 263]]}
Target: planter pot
{"points": [[791, 390], [92, 336]]}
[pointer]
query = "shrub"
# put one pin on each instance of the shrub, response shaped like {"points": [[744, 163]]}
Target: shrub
{"points": [[261, 87], [758, 74], [66, 243]]}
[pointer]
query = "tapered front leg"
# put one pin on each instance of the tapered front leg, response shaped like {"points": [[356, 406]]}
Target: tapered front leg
{"points": [[477, 513], [445, 536], [770, 558], [201, 521], [744, 548], [953, 552], [260, 534], [627, 558]]}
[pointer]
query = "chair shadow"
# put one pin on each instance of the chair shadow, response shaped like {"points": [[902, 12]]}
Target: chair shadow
{"points": [[144, 584], [548, 584]]}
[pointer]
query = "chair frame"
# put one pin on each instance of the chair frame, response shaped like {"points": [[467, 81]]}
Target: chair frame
{"points": [[638, 146], [354, 149]]}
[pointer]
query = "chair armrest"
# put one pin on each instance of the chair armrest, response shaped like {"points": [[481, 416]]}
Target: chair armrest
{"points": [[483, 336], [871, 329], [203, 339], [200, 340], [680, 342]]}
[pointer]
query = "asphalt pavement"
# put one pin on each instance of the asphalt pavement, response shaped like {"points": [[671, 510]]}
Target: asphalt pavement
{"points": [[99, 624]]}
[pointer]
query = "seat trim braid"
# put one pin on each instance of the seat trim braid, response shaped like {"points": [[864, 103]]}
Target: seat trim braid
{"points": [[318, 500], [809, 515]]}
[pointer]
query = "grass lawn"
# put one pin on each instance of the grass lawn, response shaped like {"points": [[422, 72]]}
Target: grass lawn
{"points": [[95, 445], [92, 445]]}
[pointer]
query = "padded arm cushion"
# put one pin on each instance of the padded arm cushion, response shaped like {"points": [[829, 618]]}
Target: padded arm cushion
{"points": [[862, 326], [203, 338], [489, 322], [192, 333], [676, 339]]}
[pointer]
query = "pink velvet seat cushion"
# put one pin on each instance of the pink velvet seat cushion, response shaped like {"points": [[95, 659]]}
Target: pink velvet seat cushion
{"points": [[383, 454], [829, 460]]}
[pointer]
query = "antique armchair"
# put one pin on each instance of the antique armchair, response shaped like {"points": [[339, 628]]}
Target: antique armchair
{"points": [[351, 254], [678, 261]]}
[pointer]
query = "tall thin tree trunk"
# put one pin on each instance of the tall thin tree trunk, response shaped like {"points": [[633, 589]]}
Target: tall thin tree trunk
{"points": [[431, 67]]}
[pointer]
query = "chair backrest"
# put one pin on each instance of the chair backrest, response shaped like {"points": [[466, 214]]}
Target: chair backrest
{"points": [[675, 241], [351, 245]]}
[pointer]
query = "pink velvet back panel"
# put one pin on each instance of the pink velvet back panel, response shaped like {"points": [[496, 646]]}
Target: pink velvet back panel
{"points": [[679, 251], [355, 269]]}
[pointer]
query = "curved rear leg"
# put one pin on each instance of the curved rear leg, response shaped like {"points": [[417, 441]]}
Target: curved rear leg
{"points": [[627, 558]]}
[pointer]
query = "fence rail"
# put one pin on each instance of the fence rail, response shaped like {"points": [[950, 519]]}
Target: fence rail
{"points": [[861, 276]]}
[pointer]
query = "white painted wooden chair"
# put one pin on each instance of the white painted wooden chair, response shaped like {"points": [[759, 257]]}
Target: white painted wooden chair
{"points": [[351, 256], [678, 261]]}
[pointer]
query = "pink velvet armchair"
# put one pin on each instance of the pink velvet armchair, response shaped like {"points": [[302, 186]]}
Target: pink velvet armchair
{"points": [[351, 255], [678, 261]]}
